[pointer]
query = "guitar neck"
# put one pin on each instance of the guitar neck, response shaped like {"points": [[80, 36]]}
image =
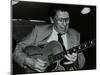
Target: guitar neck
{"points": [[77, 49]]}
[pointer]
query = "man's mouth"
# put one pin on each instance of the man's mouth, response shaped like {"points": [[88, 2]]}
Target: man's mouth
{"points": [[62, 27]]}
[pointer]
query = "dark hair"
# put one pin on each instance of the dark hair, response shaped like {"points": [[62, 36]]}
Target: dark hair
{"points": [[54, 8]]}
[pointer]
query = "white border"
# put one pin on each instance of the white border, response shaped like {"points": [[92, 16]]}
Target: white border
{"points": [[90, 2], [5, 36]]}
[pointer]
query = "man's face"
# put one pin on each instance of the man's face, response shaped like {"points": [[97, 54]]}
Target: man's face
{"points": [[61, 20]]}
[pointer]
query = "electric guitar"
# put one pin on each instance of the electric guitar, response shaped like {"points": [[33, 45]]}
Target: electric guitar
{"points": [[47, 53]]}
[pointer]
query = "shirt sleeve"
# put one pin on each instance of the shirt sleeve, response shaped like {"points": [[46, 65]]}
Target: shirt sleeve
{"points": [[18, 55], [81, 58]]}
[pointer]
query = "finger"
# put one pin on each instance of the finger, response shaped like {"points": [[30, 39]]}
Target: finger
{"points": [[67, 57], [40, 67], [70, 58], [74, 54], [70, 55], [74, 58], [38, 70], [41, 64], [41, 61], [66, 63]]}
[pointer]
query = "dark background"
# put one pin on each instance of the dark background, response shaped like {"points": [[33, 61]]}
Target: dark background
{"points": [[85, 24]]}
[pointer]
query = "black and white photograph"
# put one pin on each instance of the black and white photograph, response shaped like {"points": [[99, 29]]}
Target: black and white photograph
{"points": [[52, 37]]}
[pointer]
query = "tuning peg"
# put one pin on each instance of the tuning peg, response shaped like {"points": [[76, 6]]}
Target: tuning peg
{"points": [[79, 47], [84, 45], [91, 42]]}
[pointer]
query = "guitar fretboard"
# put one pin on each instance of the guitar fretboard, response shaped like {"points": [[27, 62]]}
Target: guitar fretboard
{"points": [[77, 49]]}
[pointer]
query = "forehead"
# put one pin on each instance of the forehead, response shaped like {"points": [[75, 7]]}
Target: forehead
{"points": [[62, 14]]}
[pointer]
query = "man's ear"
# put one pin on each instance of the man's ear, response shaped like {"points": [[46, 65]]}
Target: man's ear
{"points": [[51, 20], [68, 21]]}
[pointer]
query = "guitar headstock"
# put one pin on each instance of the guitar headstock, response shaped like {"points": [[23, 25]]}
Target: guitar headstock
{"points": [[83, 46]]}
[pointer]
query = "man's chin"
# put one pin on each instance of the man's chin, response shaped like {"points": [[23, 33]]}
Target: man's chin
{"points": [[62, 32]]}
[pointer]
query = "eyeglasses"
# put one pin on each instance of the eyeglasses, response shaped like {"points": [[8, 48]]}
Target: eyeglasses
{"points": [[62, 19]]}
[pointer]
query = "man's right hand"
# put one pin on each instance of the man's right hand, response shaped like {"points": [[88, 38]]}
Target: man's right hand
{"points": [[36, 64]]}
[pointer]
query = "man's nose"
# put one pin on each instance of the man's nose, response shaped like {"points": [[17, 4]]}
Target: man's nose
{"points": [[64, 22]]}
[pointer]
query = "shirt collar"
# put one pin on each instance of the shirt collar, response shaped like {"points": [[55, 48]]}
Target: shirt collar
{"points": [[55, 31]]}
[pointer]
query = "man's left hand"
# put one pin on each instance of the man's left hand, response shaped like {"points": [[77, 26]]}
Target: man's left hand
{"points": [[71, 57]]}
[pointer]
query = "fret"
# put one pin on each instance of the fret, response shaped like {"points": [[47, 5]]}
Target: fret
{"points": [[69, 51], [81, 46], [58, 56], [50, 58], [62, 54]]}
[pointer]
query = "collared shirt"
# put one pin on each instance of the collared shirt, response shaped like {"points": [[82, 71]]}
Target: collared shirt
{"points": [[54, 37]]}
